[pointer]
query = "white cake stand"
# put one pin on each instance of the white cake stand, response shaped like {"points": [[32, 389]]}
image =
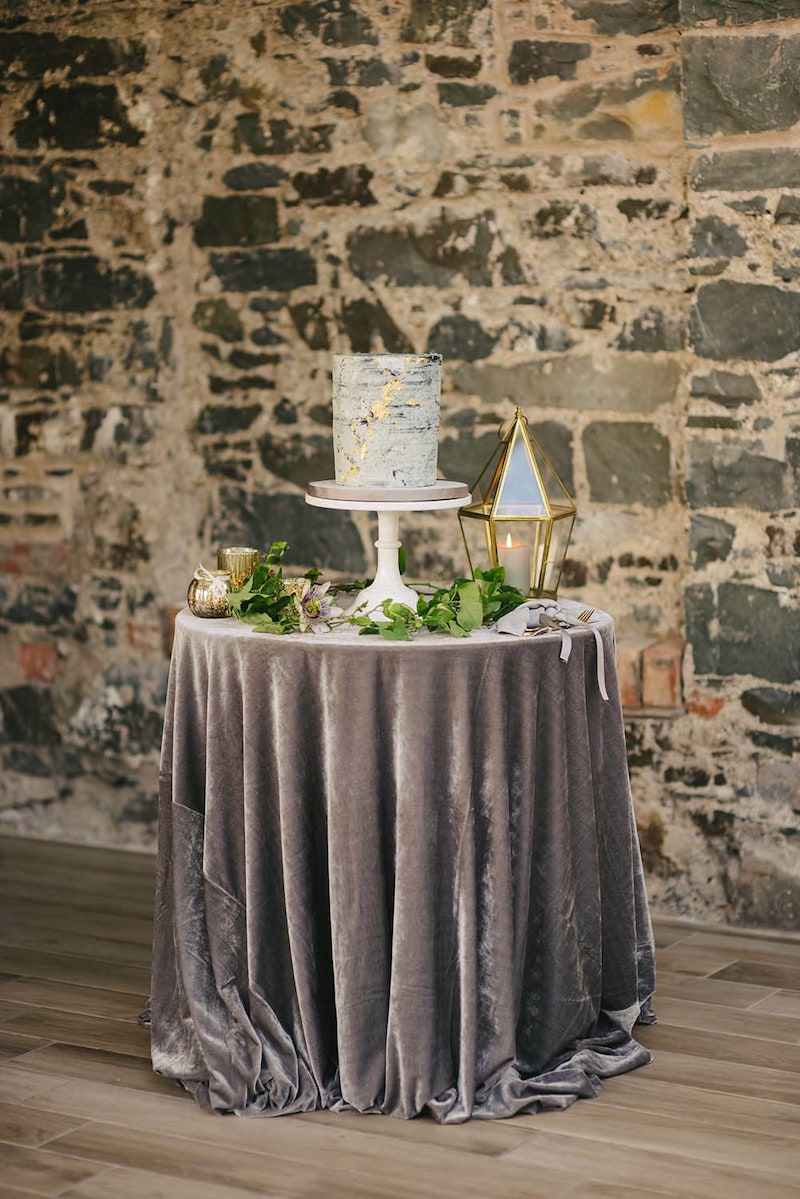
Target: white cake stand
{"points": [[388, 502]]}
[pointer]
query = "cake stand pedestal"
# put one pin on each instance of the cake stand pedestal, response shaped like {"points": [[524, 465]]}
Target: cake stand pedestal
{"points": [[388, 502]]}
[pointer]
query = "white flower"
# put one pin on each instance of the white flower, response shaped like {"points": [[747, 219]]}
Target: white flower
{"points": [[315, 607]]}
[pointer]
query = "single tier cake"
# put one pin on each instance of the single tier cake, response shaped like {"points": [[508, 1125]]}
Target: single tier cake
{"points": [[386, 419]]}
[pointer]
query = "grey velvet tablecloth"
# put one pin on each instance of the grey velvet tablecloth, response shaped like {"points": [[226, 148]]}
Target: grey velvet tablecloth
{"points": [[396, 878]]}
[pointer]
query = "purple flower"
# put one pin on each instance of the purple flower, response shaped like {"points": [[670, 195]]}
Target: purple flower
{"points": [[315, 607]]}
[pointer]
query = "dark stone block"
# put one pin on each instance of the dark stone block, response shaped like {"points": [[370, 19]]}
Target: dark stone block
{"points": [[45, 606], [252, 176], [736, 12], [652, 331], [773, 706], [700, 609], [740, 85], [574, 574], [220, 463], [690, 776], [28, 206], [341, 98], [316, 536], [245, 361], [757, 635], [453, 67], [713, 422], [710, 539], [77, 231], [752, 206], [32, 325], [280, 137], [459, 337], [110, 187], [644, 210], [369, 326], [338, 71], [84, 283], [309, 320], [217, 317], [372, 73], [712, 238], [284, 412], [239, 220], [632, 17], [29, 716], [465, 95], [787, 211], [747, 170], [334, 22], [510, 264], [720, 476], [345, 185], [532, 60], [448, 247], [220, 386], [278, 270], [265, 336], [562, 218], [83, 116], [297, 459], [789, 746], [607, 127], [594, 313], [321, 414], [627, 462], [441, 20], [28, 429], [726, 388], [26, 55], [225, 418], [744, 320], [719, 824], [37, 366], [464, 457]]}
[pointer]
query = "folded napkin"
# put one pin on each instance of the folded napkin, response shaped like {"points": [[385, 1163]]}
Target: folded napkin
{"points": [[540, 617]]}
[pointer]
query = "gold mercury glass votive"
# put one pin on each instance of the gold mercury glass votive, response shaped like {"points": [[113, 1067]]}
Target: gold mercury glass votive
{"points": [[208, 593], [239, 560]]}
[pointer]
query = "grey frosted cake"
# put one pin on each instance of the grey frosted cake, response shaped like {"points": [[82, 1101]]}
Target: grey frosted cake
{"points": [[386, 419]]}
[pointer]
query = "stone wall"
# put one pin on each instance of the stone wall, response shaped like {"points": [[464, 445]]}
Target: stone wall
{"points": [[589, 207]]}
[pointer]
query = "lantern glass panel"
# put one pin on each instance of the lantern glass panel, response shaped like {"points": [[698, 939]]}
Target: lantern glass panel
{"points": [[477, 533], [561, 532], [520, 492], [484, 487]]}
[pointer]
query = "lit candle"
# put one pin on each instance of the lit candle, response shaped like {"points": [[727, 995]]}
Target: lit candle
{"points": [[515, 556]]}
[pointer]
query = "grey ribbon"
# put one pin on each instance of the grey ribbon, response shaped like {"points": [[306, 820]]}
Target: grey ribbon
{"points": [[537, 618]]}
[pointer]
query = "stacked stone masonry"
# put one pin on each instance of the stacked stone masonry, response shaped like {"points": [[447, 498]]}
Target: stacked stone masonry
{"points": [[590, 208]]}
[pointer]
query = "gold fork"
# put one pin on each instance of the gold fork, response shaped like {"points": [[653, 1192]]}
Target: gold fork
{"points": [[586, 615]]}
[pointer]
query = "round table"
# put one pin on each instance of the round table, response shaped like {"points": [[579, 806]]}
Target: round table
{"points": [[395, 877]]}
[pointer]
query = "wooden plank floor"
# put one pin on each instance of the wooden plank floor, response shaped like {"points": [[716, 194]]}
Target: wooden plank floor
{"points": [[717, 1113]]}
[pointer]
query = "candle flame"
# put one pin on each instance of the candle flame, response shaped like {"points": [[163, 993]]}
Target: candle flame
{"points": [[509, 542]]}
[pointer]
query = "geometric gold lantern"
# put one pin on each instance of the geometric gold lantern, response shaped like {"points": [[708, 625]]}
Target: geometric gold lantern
{"points": [[521, 516]]}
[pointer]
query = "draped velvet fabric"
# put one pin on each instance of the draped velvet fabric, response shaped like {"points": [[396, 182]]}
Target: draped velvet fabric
{"points": [[393, 877]]}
